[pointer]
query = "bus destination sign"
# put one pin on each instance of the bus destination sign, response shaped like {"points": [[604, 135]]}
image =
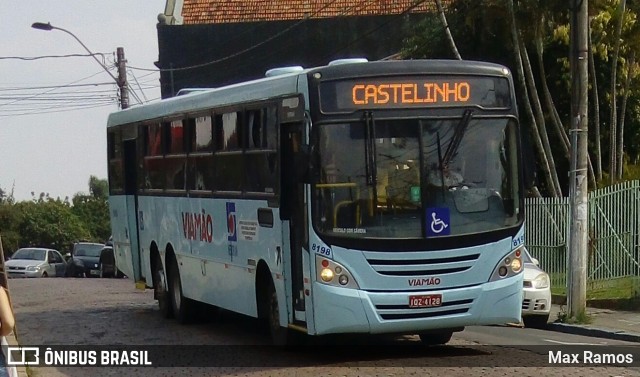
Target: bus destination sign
{"points": [[408, 92]]}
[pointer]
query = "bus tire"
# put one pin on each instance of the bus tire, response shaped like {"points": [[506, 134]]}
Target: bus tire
{"points": [[161, 292], [436, 338], [180, 305], [280, 336]]}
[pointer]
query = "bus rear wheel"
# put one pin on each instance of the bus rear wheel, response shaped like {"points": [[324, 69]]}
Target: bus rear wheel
{"points": [[160, 291], [180, 305], [436, 338]]}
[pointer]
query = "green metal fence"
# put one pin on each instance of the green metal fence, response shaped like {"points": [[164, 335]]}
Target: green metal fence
{"points": [[613, 261]]}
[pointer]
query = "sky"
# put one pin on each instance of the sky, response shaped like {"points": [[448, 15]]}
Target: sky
{"points": [[52, 124]]}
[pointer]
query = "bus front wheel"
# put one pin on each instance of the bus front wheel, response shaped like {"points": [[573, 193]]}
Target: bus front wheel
{"points": [[280, 336], [436, 339]]}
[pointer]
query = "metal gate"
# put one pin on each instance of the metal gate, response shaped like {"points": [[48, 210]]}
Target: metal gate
{"points": [[613, 261]]}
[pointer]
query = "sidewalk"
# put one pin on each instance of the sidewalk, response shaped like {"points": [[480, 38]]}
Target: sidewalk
{"points": [[605, 323]]}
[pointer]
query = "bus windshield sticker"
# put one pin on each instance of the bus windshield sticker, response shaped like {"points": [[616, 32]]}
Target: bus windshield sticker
{"points": [[248, 230], [350, 230], [438, 223], [412, 91], [322, 250]]}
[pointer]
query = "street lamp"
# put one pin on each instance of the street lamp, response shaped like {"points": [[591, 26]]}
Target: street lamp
{"points": [[122, 83]]}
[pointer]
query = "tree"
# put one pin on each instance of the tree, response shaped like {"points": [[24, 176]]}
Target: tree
{"points": [[48, 222], [93, 209], [98, 188], [613, 117]]}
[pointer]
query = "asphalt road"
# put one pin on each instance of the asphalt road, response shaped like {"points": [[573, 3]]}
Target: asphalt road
{"points": [[111, 313]]}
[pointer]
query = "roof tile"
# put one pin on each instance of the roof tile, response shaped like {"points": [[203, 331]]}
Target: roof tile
{"points": [[230, 11]]}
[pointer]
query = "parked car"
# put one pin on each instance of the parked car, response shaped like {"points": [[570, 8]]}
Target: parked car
{"points": [[84, 260], [107, 263], [536, 303], [35, 262]]}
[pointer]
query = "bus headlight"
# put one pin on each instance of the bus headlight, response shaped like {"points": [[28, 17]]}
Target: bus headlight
{"points": [[326, 275], [333, 273], [509, 265], [516, 265]]}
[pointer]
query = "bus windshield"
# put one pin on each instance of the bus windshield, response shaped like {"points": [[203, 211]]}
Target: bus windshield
{"points": [[380, 178]]}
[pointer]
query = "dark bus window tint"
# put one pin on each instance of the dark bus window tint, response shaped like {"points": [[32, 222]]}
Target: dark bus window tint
{"points": [[175, 172], [228, 137], [261, 171], [201, 139], [154, 174], [153, 140], [114, 141], [200, 172], [271, 127], [114, 146], [229, 172], [255, 127], [175, 137]]}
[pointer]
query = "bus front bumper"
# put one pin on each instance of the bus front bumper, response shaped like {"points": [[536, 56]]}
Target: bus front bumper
{"points": [[342, 310]]}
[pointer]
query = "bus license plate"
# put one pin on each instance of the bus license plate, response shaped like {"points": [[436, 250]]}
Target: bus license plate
{"points": [[425, 301]]}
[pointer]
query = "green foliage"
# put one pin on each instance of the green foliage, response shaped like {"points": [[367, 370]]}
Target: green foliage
{"points": [[55, 223], [48, 222]]}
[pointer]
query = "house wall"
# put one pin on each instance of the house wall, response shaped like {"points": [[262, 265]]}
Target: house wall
{"points": [[245, 51]]}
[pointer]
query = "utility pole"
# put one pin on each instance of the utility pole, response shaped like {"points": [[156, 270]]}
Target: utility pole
{"points": [[579, 229], [122, 78]]}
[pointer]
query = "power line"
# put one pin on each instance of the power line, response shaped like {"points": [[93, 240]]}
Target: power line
{"points": [[57, 111], [29, 58], [11, 88], [50, 90]]}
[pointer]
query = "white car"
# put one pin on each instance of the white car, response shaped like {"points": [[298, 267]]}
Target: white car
{"points": [[536, 303], [34, 262]]}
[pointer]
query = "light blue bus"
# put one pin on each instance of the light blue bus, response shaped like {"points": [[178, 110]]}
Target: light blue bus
{"points": [[358, 197]]}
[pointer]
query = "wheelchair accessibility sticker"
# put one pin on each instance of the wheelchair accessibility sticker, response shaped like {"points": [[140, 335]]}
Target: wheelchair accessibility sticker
{"points": [[438, 222]]}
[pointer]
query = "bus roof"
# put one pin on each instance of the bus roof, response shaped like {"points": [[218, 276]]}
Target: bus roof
{"points": [[284, 84], [242, 92]]}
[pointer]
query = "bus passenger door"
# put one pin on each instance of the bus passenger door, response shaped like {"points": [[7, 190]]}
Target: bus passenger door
{"points": [[124, 216], [292, 209]]}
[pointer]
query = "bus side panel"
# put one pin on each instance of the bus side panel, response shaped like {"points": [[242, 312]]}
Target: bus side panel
{"points": [[218, 244], [119, 229]]}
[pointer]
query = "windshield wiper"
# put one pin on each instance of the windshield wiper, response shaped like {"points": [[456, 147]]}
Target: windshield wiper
{"points": [[370, 148], [458, 133]]}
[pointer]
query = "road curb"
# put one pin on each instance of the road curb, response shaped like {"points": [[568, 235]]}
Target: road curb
{"points": [[594, 332]]}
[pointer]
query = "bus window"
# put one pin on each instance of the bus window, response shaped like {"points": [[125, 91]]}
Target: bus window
{"points": [[153, 140], [228, 132], [153, 162], [200, 162], [175, 137], [201, 137], [260, 160], [116, 183], [229, 172], [200, 172]]}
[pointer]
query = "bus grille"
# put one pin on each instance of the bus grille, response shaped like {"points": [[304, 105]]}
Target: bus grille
{"points": [[423, 266]]}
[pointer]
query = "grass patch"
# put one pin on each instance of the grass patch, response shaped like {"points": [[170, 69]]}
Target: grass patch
{"points": [[619, 288]]}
